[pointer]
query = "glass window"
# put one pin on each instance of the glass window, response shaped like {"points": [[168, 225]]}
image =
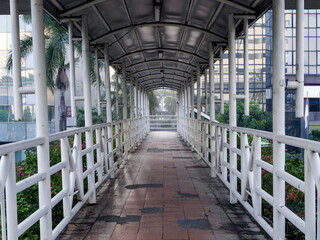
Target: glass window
{"points": [[312, 58], [306, 60], [306, 20], [312, 70], [312, 44], [312, 20]]}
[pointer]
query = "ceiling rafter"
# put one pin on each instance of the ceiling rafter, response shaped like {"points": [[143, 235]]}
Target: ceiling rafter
{"points": [[79, 7], [238, 6], [106, 25], [162, 60], [158, 49], [161, 24], [157, 74], [163, 68]]}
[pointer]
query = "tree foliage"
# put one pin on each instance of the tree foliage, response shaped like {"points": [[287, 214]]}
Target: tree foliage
{"points": [[257, 118]]}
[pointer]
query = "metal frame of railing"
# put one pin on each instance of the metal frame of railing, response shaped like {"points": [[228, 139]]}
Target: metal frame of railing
{"points": [[71, 166], [163, 122], [196, 132]]}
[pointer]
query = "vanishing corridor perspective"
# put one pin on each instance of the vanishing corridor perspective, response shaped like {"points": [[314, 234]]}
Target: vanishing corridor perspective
{"points": [[144, 176]]}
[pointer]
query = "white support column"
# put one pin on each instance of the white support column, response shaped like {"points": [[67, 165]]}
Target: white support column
{"points": [[87, 104], [109, 108], [300, 58], [198, 125], [221, 82], [198, 93], [232, 105], [212, 111], [192, 108], [131, 109], [136, 99], [96, 60], [117, 114], [72, 71], [131, 96], [40, 80], [187, 111], [246, 66], [125, 110], [16, 60], [192, 95], [278, 103], [205, 92]]}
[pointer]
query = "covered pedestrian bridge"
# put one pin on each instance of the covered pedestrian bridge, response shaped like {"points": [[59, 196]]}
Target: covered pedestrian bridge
{"points": [[159, 44]]}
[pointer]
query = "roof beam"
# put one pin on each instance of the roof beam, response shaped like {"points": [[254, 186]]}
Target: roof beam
{"points": [[157, 74], [160, 61], [159, 49], [238, 6], [79, 7], [164, 87], [169, 86], [168, 80], [163, 68], [159, 24]]}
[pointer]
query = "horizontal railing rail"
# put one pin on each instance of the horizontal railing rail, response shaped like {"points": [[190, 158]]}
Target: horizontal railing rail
{"points": [[163, 122]]}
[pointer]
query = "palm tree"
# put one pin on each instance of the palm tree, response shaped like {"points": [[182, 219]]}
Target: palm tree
{"points": [[56, 41]]}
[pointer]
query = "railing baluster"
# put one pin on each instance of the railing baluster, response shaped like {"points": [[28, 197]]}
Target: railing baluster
{"points": [[256, 198], [309, 198], [99, 160], [66, 177], [11, 198]]}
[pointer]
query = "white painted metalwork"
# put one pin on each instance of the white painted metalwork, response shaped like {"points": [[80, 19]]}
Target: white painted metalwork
{"points": [[72, 77]]}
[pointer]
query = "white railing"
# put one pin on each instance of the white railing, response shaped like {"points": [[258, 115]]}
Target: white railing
{"points": [[210, 140], [163, 122], [82, 168]]}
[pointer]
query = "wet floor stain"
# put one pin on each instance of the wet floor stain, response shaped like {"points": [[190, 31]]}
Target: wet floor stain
{"points": [[194, 224], [152, 210], [137, 186], [121, 220], [187, 195]]}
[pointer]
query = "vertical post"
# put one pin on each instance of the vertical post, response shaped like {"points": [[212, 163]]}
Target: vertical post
{"points": [[87, 104], [96, 61], [198, 126], [300, 58], [213, 151], [72, 71], [246, 66], [16, 60], [205, 92], [125, 110], [131, 97], [11, 198], [192, 95], [39, 63], [221, 82], [192, 107], [232, 105], [136, 99], [117, 114], [278, 102], [109, 109], [256, 198], [66, 177], [188, 111], [131, 109]]}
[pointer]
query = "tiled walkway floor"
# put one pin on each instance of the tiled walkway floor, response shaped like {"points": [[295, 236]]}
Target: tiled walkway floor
{"points": [[163, 192]]}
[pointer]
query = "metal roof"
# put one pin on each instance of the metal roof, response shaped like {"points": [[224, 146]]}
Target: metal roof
{"points": [[160, 41]]}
